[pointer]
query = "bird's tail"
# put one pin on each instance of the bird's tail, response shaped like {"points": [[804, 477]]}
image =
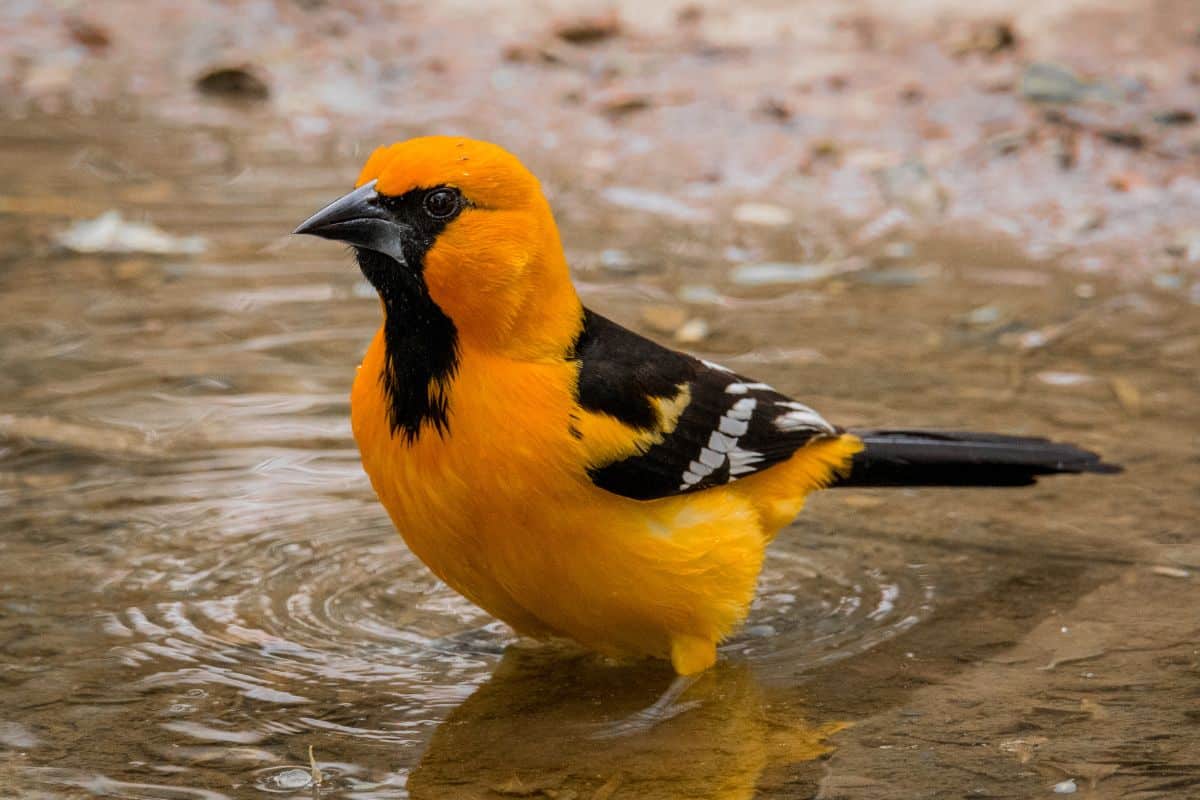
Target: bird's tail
{"points": [[944, 458]]}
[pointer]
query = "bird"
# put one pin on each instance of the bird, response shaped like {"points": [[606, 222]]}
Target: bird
{"points": [[569, 476]]}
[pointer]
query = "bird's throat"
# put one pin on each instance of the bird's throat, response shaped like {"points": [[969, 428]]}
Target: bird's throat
{"points": [[421, 349]]}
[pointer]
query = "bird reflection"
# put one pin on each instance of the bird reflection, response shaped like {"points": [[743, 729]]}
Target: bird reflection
{"points": [[530, 732]]}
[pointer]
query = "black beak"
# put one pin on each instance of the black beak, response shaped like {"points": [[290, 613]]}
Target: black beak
{"points": [[360, 219]]}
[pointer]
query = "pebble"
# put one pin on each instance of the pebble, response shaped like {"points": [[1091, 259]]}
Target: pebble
{"points": [[652, 203], [619, 102], [290, 778], [900, 277], [615, 259], [1127, 394], [693, 331], [1186, 246], [913, 187], [1167, 280], [111, 233], [699, 294], [737, 254], [236, 82], [984, 315], [1066, 787], [588, 29], [1056, 378], [898, 250], [1175, 116], [764, 214], [773, 272], [1045, 82]]}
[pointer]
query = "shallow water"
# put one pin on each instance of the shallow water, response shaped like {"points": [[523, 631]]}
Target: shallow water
{"points": [[197, 585]]}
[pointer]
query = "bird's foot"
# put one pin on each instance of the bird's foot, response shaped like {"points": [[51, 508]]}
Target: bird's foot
{"points": [[667, 706]]}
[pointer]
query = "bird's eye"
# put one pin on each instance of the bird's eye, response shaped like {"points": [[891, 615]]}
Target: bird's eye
{"points": [[443, 203]]}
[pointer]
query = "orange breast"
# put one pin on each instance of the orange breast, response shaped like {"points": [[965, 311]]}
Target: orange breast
{"points": [[503, 511]]}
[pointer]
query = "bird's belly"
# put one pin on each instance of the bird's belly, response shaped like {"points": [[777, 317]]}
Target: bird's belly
{"points": [[503, 511], [619, 576]]}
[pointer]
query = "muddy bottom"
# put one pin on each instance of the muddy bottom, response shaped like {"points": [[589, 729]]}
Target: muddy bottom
{"points": [[198, 589]]}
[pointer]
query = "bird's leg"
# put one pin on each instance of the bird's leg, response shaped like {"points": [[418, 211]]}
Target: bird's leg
{"points": [[666, 707]]}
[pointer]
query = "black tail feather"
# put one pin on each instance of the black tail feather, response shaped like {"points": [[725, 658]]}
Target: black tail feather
{"points": [[944, 458]]}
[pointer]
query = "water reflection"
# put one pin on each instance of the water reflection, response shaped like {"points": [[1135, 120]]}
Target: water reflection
{"points": [[530, 731]]}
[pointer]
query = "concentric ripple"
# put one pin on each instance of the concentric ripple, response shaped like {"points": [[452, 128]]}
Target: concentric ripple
{"points": [[819, 605]]}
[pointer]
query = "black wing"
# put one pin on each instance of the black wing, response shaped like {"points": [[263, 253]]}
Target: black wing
{"points": [[730, 427]]}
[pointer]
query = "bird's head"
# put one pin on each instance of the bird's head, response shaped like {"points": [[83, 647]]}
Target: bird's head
{"points": [[464, 224]]}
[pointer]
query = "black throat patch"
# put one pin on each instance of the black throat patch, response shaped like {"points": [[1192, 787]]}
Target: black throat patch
{"points": [[420, 341]]}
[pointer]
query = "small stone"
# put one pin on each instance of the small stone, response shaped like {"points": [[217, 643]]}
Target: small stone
{"points": [[1087, 220], [619, 103], [775, 108], [1170, 572], [883, 225], [1169, 281], [983, 316], [110, 233], [699, 294], [764, 214], [1124, 138], [760, 631], [88, 33], [1045, 82], [588, 29], [1175, 116], [617, 260], [1186, 246], [1066, 787], [653, 203], [987, 36], [911, 186], [693, 331], [900, 277], [898, 250], [1007, 142], [233, 83], [1127, 395], [774, 272], [738, 255], [1059, 378], [292, 778], [1127, 181]]}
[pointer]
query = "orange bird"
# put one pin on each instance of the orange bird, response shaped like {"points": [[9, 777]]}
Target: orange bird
{"points": [[567, 475]]}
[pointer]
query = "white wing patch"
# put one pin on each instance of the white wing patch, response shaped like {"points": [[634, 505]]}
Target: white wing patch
{"points": [[740, 387], [722, 443], [800, 417], [743, 461]]}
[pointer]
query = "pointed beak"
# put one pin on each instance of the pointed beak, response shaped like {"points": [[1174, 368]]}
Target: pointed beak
{"points": [[360, 219]]}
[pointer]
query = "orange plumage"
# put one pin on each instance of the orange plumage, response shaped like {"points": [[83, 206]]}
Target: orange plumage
{"points": [[568, 476]]}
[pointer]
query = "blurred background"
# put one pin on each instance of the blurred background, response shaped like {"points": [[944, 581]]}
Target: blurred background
{"points": [[969, 215]]}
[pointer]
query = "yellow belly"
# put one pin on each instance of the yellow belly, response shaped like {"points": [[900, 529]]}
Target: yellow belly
{"points": [[502, 510]]}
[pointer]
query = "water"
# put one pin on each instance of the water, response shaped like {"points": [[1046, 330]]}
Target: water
{"points": [[197, 585]]}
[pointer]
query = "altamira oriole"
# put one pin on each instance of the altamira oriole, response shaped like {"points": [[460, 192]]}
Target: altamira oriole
{"points": [[567, 475]]}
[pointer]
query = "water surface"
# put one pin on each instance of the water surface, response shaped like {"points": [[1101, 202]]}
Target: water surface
{"points": [[197, 585]]}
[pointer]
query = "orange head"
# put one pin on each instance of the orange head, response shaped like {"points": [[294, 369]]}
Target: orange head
{"points": [[463, 225]]}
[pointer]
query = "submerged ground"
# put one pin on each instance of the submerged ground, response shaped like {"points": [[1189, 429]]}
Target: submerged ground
{"points": [[197, 586]]}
